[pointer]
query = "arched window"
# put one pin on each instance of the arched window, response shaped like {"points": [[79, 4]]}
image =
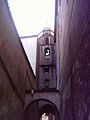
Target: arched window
{"points": [[47, 51]]}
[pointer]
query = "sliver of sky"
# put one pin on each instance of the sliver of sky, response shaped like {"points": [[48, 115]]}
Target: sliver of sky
{"points": [[30, 18]]}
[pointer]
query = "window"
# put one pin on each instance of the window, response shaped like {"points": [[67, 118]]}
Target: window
{"points": [[47, 51], [46, 40], [46, 83], [46, 69]]}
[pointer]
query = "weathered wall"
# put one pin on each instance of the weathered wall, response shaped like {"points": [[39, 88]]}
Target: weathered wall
{"points": [[74, 38], [32, 112], [11, 106], [16, 75]]}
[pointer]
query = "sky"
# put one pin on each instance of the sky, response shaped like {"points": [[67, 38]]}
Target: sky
{"points": [[30, 18]]}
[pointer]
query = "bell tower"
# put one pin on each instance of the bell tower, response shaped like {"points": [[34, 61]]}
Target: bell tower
{"points": [[46, 96], [46, 61]]}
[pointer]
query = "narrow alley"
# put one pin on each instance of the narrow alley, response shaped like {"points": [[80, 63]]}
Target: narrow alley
{"points": [[60, 88]]}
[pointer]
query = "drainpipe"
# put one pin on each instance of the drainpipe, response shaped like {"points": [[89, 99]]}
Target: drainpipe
{"points": [[58, 48], [58, 56]]}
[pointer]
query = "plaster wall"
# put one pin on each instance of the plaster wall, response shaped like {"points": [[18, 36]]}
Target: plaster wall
{"points": [[74, 39], [15, 70]]}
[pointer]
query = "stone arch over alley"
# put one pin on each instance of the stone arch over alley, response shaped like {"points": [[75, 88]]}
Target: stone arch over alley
{"points": [[44, 106]]}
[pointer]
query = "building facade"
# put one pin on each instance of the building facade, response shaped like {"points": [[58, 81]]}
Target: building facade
{"points": [[73, 44]]}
